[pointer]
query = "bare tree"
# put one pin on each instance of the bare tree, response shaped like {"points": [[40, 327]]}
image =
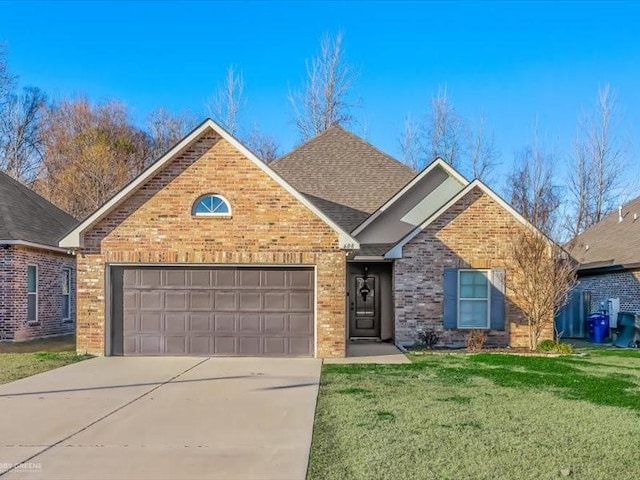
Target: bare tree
{"points": [[165, 130], [543, 275], [262, 145], [7, 81], [326, 98], [483, 153], [228, 101], [580, 188], [21, 134], [605, 152], [410, 144], [531, 189], [90, 152], [446, 131]]}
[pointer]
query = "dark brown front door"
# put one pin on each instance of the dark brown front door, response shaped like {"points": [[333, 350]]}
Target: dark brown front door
{"points": [[213, 311], [364, 306]]}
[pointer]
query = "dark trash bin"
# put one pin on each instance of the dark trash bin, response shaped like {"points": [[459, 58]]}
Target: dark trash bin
{"points": [[598, 326]]}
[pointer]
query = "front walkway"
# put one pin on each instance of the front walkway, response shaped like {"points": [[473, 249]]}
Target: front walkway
{"points": [[161, 418], [370, 352]]}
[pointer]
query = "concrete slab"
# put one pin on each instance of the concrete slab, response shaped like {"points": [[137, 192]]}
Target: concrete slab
{"points": [[226, 418], [370, 352]]}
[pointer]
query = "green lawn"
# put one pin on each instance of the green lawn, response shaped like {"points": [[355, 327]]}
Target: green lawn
{"points": [[22, 359], [483, 416]]}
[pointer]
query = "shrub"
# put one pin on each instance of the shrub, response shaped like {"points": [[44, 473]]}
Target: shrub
{"points": [[546, 346], [428, 338], [555, 347], [475, 340]]}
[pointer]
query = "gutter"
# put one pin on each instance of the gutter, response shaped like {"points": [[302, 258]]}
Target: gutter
{"points": [[41, 246], [601, 270]]}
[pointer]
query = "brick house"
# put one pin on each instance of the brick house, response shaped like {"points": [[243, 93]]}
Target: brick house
{"points": [[609, 264], [212, 252], [37, 277]]}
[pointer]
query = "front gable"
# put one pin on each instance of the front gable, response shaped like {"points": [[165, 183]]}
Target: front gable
{"points": [[155, 209]]}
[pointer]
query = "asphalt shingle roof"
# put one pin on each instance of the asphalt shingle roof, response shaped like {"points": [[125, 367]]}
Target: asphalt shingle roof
{"points": [[343, 175], [26, 216], [610, 242]]}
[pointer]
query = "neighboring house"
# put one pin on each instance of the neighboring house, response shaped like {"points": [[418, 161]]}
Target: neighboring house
{"points": [[37, 277], [212, 252], [609, 256]]}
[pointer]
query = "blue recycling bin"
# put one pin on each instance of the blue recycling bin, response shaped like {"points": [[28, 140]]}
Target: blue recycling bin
{"points": [[598, 326]]}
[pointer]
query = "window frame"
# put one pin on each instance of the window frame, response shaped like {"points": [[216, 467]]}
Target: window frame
{"points": [[66, 297], [486, 299], [37, 284], [211, 214]]}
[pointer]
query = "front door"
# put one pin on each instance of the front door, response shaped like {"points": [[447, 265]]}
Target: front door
{"points": [[364, 306]]}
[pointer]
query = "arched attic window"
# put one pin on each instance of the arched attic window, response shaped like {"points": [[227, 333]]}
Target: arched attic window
{"points": [[211, 205]]}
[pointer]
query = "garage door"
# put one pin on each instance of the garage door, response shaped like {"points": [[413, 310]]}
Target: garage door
{"points": [[213, 311]]}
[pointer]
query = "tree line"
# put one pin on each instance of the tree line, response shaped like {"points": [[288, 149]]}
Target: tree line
{"points": [[78, 153]]}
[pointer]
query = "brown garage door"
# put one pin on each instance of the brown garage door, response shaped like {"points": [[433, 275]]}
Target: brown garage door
{"points": [[213, 311]]}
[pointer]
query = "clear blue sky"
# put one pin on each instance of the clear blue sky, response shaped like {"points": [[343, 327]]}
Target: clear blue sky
{"points": [[516, 61]]}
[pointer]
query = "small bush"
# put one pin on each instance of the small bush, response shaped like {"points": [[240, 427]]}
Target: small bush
{"points": [[555, 347], [428, 338], [475, 340], [546, 346]]}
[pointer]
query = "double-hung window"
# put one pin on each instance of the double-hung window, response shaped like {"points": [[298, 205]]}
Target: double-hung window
{"points": [[473, 298], [32, 293], [66, 294]]}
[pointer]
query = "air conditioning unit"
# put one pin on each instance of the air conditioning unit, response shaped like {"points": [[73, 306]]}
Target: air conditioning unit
{"points": [[613, 306]]}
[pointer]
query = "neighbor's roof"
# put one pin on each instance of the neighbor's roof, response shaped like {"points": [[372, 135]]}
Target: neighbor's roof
{"points": [[27, 217], [343, 175], [610, 242]]}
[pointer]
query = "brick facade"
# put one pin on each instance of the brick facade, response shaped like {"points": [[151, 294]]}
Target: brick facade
{"points": [[13, 293], [268, 226], [473, 233], [623, 285]]}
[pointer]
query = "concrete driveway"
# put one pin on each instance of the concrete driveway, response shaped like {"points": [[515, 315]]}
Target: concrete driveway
{"points": [[161, 418]]}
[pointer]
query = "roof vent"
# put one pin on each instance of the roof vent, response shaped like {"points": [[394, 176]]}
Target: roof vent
{"points": [[586, 247], [619, 213], [635, 216]]}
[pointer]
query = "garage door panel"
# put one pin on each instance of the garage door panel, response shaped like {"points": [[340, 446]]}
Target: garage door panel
{"points": [[199, 322], [225, 323], [275, 301], [300, 323], [175, 322], [275, 323], [249, 346], [151, 300], [301, 301], [150, 322], [151, 345], [217, 311], [225, 301], [175, 278], [249, 323], [300, 346], [201, 300], [149, 278], [176, 345], [224, 345], [300, 278]]}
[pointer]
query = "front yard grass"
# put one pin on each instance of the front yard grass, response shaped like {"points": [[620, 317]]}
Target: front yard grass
{"points": [[23, 359], [482, 416]]}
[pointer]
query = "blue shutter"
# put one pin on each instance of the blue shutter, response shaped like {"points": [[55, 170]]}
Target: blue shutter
{"points": [[450, 298], [497, 299]]}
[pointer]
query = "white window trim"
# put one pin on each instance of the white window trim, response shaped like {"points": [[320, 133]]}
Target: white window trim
{"points": [[488, 299], [33, 320], [211, 214], [67, 271]]}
